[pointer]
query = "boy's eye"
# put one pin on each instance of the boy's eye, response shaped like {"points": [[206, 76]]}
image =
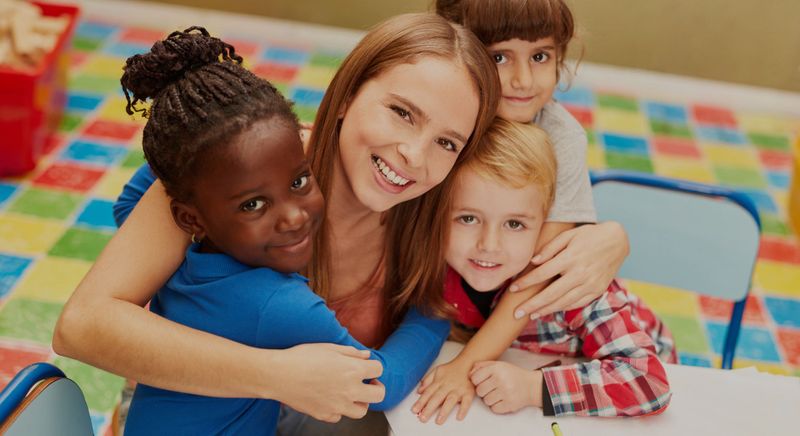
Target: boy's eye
{"points": [[515, 225], [499, 58], [404, 114], [253, 205], [467, 219], [300, 182], [541, 57], [447, 144]]}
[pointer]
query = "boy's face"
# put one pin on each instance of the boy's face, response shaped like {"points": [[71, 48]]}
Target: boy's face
{"points": [[493, 230], [256, 199], [527, 75]]}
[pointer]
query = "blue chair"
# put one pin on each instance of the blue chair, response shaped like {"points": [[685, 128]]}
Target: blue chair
{"points": [[41, 400], [685, 235]]}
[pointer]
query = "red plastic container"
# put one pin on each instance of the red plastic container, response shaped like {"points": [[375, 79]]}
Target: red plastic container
{"points": [[31, 102]]}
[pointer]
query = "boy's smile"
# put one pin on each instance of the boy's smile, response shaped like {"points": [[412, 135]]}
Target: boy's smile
{"points": [[256, 199], [527, 75], [493, 229]]}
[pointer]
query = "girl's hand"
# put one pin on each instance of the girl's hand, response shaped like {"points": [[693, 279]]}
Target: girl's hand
{"points": [[587, 258], [506, 388], [326, 381], [445, 386]]}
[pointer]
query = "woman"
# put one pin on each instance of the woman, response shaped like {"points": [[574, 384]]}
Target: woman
{"points": [[413, 96]]}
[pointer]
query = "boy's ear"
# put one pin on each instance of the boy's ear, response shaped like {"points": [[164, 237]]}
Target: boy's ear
{"points": [[188, 219]]}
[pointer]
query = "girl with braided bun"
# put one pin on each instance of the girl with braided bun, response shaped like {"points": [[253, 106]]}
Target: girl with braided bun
{"points": [[406, 106], [245, 193]]}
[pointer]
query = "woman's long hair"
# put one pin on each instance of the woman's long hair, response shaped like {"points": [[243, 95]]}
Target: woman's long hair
{"points": [[414, 242]]}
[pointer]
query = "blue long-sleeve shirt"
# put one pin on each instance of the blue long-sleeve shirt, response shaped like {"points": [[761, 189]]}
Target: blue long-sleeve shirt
{"points": [[267, 309]]}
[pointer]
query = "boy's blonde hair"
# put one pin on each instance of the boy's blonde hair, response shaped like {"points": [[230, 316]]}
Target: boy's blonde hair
{"points": [[516, 155]]}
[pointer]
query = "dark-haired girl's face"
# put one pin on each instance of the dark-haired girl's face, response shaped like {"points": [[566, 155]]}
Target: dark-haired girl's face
{"points": [[403, 131], [528, 76], [257, 199]]}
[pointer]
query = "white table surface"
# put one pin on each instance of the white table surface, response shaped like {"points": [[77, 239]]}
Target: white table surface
{"points": [[705, 401]]}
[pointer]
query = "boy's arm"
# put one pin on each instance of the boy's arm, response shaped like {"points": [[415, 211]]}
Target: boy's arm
{"points": [[449, 384], [624, 377]]}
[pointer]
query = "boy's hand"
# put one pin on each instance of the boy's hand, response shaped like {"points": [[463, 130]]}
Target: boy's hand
{"points": [[506, 388], [446, 386]]}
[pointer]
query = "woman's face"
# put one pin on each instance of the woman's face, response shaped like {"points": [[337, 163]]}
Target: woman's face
{"points": [[403, 130]]}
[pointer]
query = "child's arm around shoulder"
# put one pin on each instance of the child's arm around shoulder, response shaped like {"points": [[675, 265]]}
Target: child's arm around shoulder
{"points": [[632, 380]]}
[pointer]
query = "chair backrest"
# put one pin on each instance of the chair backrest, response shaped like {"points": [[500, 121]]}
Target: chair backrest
{"points": [[55, 405], [684, 235]]}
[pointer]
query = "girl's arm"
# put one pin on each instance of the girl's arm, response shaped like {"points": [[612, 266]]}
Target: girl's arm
{"points": [[449, 384], [104, 324], [625, 376], [580, 262], [296, 315]]}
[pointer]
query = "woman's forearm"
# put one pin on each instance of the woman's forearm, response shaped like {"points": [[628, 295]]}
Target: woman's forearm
{"points": [[104, 322], [125, 339]]}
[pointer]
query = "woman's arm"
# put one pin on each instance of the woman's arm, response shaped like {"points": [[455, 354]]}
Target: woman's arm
{"points": [[104, 324]]}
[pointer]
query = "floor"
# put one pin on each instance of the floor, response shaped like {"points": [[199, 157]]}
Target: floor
{"points": [[55, 220]]}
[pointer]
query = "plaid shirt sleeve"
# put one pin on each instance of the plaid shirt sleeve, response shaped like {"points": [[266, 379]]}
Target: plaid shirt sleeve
{"points": [[624, 376]]}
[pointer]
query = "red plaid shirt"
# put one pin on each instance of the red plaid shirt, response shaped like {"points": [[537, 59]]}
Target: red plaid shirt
{"points": [[623, 339]]}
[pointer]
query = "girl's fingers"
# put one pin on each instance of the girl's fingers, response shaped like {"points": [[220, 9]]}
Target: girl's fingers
{"points": [[481, 374], [573, 299], [422, 401], [552, 248], [485, 388], [546, 297], [479, 365], [433, 405], [426, 382], [492, 398], [449, 403], [463, 407], [540, 274]]}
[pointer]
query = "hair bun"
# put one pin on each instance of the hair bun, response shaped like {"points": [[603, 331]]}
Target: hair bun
{"points": [[146, 75]]}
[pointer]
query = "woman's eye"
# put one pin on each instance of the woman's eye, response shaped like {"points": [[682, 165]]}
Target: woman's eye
{"points": [[300, 182], [515, 225], [467, 219], [404, 114], [447, 144], [253, 205], [499, 58], [541, 58]]}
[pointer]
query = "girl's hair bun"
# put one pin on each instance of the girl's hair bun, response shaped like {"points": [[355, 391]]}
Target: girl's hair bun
{"points": [[146, 75]]}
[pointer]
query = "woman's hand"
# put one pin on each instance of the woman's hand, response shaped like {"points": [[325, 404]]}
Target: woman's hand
{"points": [[325, 381], [506, 388], [586, 258], [446, 386]]}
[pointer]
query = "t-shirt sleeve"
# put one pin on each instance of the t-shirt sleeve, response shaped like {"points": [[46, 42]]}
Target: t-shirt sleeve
{"points": [[298, 316], [573, 201], [132, 193]]}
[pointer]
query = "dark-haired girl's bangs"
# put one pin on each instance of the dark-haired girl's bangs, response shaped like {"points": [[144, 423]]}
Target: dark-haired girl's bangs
{"points": [[526, 20]]}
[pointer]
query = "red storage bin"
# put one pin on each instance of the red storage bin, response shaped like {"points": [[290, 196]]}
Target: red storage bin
{"points": [[31, 102]]}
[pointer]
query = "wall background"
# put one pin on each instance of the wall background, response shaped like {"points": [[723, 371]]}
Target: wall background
{"points": [[742, 41]]}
